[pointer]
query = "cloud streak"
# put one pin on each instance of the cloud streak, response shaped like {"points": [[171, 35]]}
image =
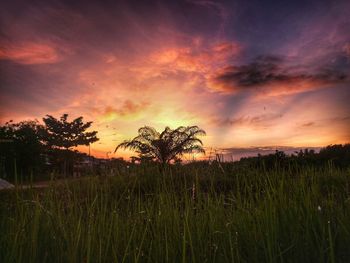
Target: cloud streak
{"points": [[30, 53], [262, 121]]}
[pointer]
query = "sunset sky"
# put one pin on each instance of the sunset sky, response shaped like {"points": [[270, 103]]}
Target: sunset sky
{"points": [[252, 74]]}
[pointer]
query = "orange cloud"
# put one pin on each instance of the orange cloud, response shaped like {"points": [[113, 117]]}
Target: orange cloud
{"points": [[126, 110], [198, 58], [29, 53], [225, 50]]}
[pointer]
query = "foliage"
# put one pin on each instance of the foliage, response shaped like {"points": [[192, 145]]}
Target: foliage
{"points": [[336, 155], [198, 212], [61, 133], [166, 146], [28, 148], [60, 136], [21, 146]]}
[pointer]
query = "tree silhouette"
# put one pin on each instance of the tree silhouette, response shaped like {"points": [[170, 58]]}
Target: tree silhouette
{"points": [[60, 133], [165, 146], [20, 146], [60, 136]]}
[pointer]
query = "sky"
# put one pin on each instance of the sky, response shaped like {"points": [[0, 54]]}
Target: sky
{"points": [[255, 75]]}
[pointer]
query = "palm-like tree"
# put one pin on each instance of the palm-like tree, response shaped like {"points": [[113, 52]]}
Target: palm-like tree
{"points": [[165, 146]]}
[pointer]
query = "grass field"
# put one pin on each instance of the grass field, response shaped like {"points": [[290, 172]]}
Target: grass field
{"points": [[194, 213]]}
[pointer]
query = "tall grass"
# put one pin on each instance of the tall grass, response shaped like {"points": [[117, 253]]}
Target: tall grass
{"points": [[195, 213]]}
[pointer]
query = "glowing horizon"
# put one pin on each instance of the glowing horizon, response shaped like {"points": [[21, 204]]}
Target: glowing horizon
{"points": [[250, 75]]}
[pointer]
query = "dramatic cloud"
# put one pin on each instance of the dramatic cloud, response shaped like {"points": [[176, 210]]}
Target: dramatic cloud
{"points": [[270, 72], [194, 61], [196, 58]]}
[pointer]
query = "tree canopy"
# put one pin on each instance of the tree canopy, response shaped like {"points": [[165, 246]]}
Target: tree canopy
{"points": [[20, 143], [165, 146], [61, 133]]}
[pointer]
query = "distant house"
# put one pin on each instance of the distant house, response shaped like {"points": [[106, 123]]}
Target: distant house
{"points": [[84, 163]]}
